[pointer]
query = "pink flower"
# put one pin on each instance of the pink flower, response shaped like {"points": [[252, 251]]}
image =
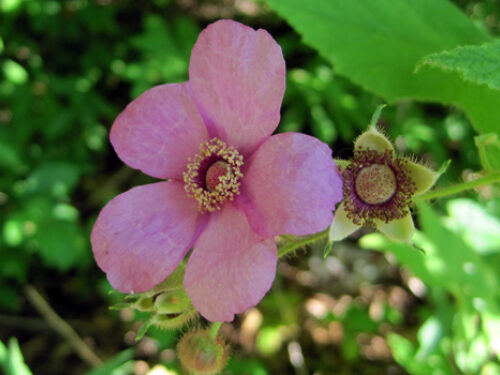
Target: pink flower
{"points": [[231, 186]]}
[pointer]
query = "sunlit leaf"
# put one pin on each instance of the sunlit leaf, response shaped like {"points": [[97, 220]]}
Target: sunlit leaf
{"points": [[478, 64], [11, 359], [14, 72], [378, 44], [477, 227]]}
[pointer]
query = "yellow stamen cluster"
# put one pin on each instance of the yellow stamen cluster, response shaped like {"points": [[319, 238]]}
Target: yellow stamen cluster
{"points": [[211, 152]]}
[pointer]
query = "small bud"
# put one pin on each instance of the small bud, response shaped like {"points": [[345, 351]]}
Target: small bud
{"points": [[202, 354], [167, 303]]}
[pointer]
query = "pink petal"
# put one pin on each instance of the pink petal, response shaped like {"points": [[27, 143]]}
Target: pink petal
{"points": [[290, 185], [159, 130], [231, 267], [140, 236], [238, 80]]}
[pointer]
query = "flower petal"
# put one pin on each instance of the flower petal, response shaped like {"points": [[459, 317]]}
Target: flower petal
{"points": [[290, 185], [422, 176], [238, 79], [159, 130], [373, 139], [231, 267], [341, 226], [140, 236], [398, 230]]}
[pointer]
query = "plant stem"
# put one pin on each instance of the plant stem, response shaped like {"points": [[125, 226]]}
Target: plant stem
{"points": [[61, 327], [214, 329], [300, 242], [294, 244], [458, 188]]}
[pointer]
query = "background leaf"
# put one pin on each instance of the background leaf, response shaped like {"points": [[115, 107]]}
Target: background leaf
{"points": [[478, 64], [378, 44]]}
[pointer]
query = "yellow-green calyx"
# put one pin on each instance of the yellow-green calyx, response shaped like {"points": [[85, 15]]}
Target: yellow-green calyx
{"points": [[167, 303], [379, 188]]}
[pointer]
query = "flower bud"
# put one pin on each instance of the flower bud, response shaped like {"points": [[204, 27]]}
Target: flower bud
{"points": [[167, 303], [202, 354]]}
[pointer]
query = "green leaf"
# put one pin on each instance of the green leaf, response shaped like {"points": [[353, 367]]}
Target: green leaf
{"points": [[477, 64], [429, 335], [15, 72], [378, 44], [10, 157], [62, 244], [53, 178], [269, 340], [475, 225], [9, 297], [247, 366], [402, 349], [10, 5]]}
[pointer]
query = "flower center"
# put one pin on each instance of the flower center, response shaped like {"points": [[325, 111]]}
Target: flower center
{"points": [[213, 176], [376, 184], [219, 169]]}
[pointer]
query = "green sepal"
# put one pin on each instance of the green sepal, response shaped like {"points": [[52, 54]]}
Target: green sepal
{"points": [[400, 230], [422, 176], [144, 329], [172, 302], [341, 226], [173, 281], [373, 139], [376, 115], [444, 167], [174, 321], [120, 306], [144, 304]]}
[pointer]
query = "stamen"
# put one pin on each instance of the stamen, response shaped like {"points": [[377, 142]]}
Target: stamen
{"points": [[213, 176]]}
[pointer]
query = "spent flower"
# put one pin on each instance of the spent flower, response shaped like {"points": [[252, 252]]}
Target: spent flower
{"points": [[379, 188], [231, 186]]}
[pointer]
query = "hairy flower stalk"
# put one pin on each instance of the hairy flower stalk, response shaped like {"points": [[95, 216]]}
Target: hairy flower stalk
{"points": [[379, 188]]}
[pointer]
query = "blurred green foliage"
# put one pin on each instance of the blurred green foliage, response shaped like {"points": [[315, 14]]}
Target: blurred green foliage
{"points": [[459, 261], [11, 359], [68, 67]]}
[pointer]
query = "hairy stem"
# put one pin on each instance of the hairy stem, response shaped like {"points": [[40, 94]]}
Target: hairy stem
{"points": [[61, 327], [214, 329], [300, 242], [458, 188]]}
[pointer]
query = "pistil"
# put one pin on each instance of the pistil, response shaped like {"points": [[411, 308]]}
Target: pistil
{"points": [[213, 176]]}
